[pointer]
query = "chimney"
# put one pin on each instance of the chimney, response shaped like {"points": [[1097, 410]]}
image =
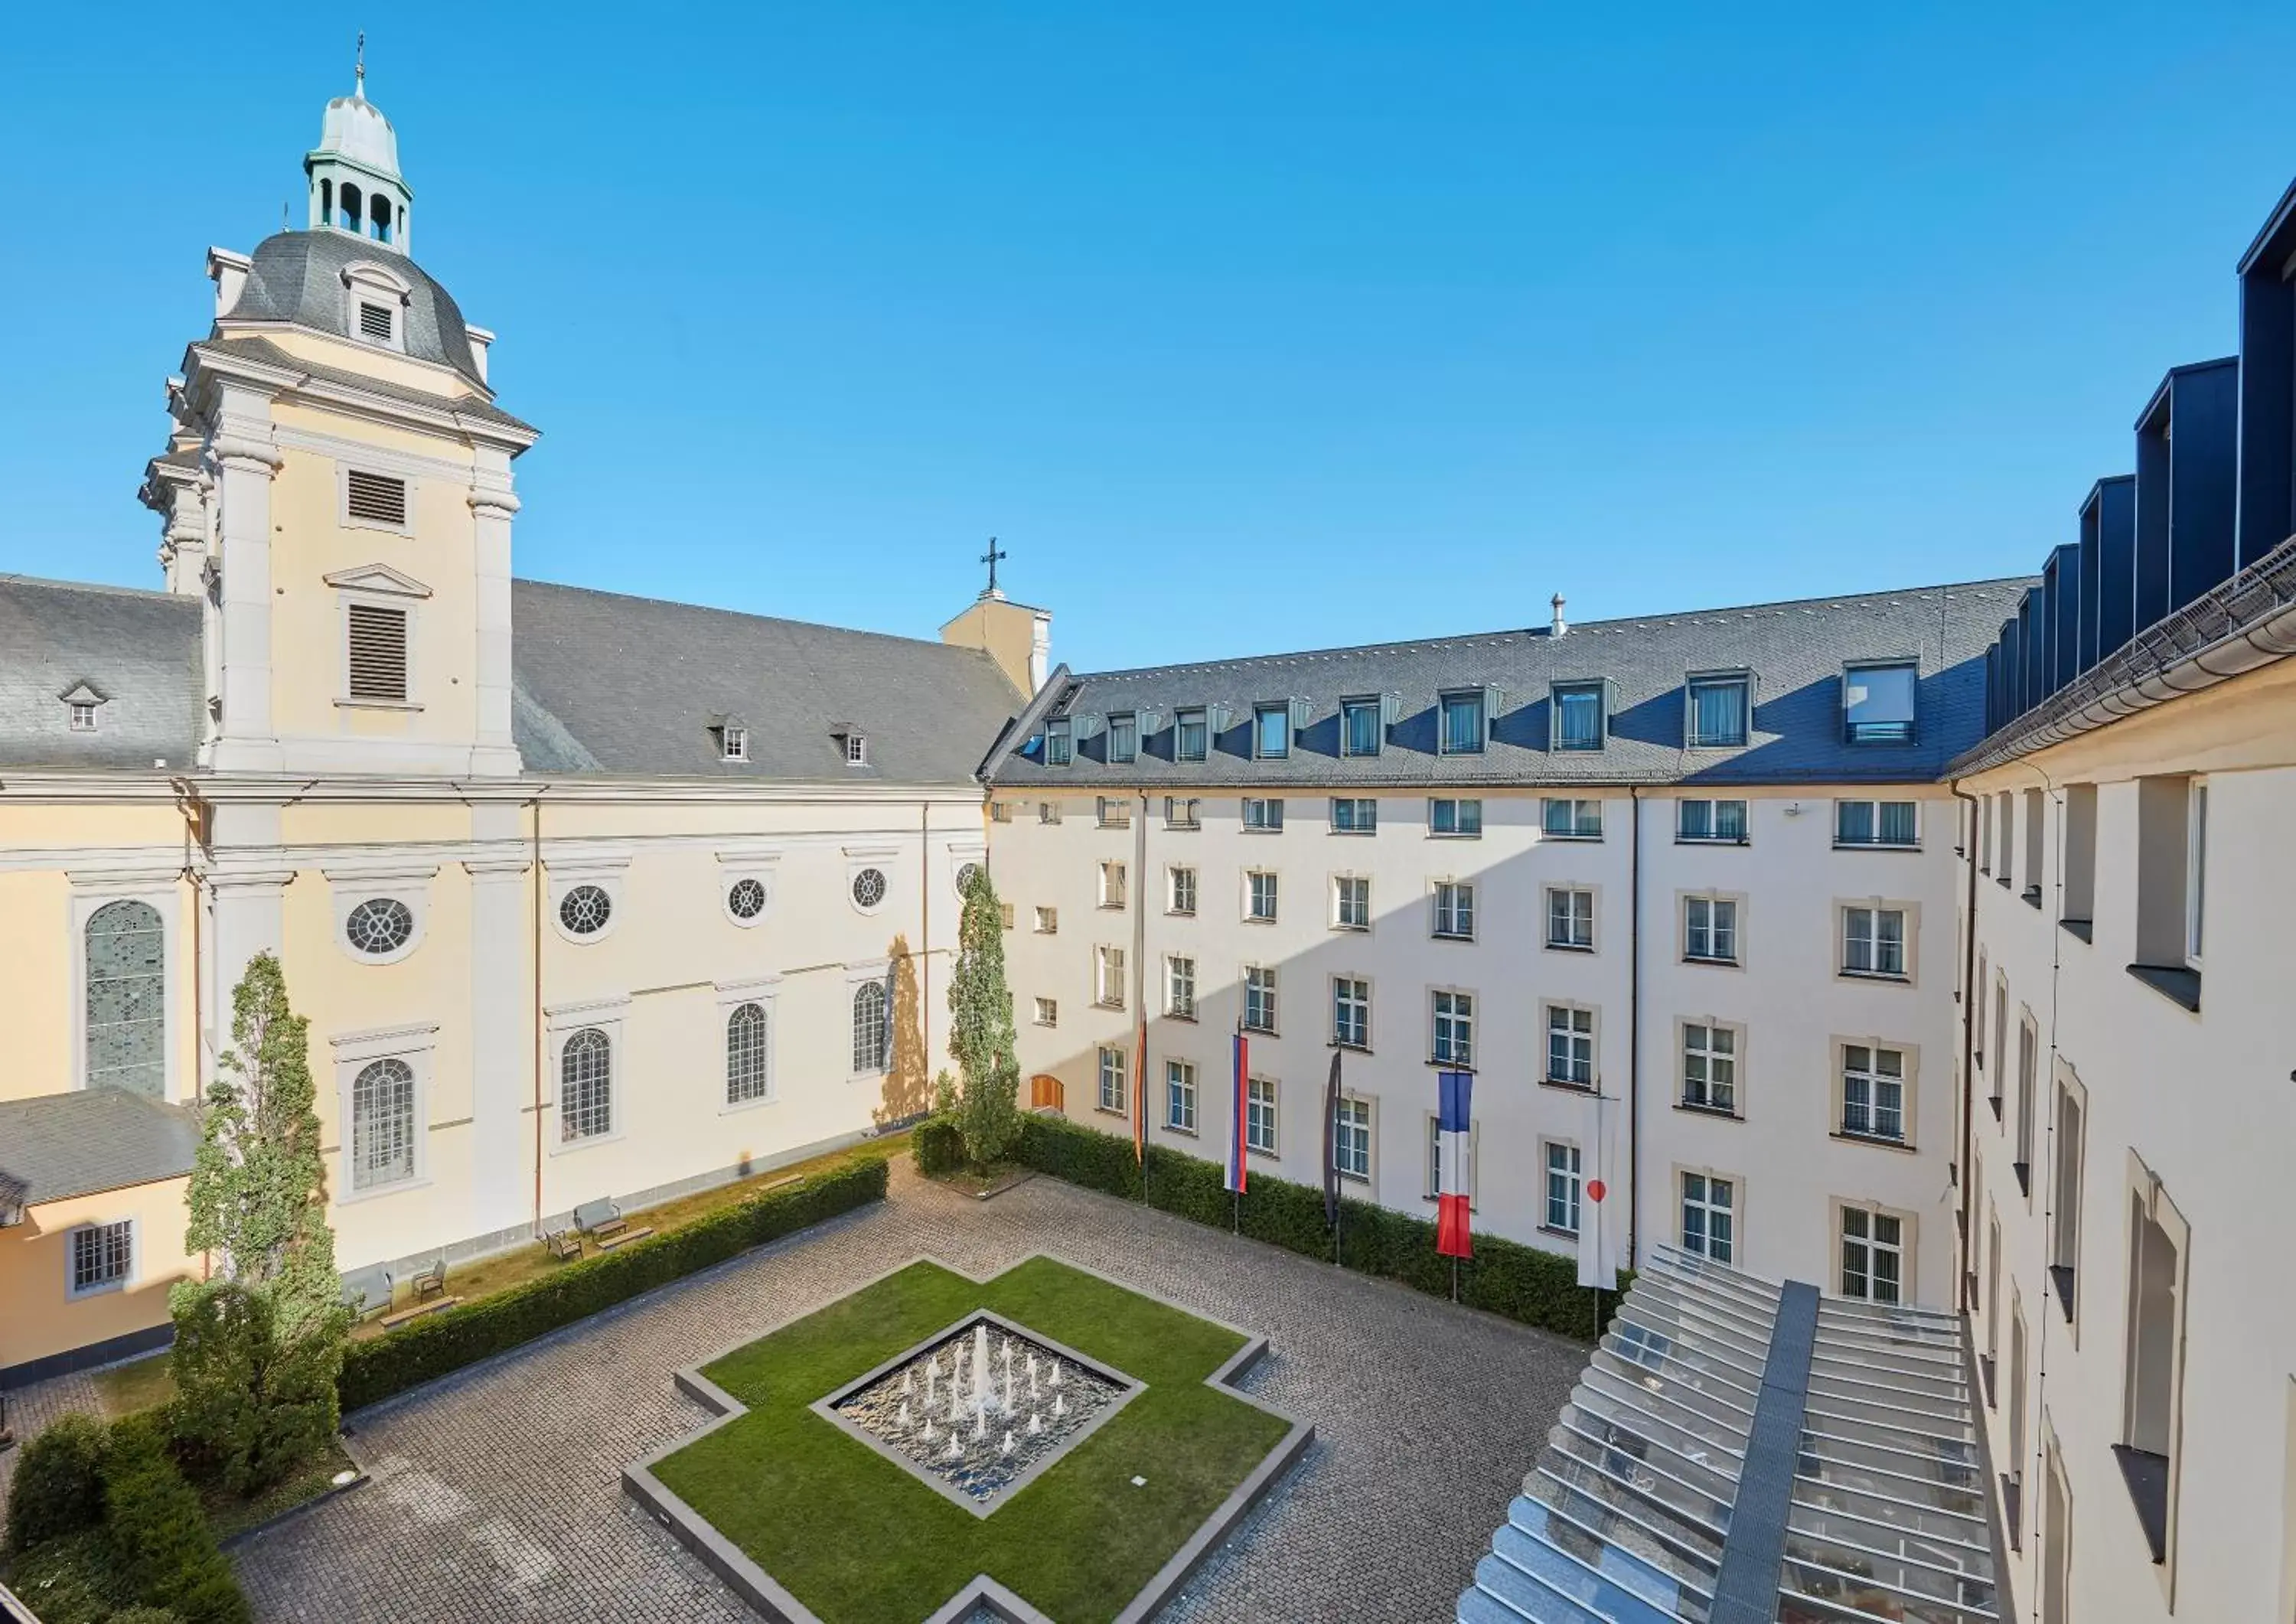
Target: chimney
{"points": [[1561, 625], [228, 271], [479, 339]]}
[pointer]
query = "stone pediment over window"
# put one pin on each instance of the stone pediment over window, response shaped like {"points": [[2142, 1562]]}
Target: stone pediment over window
{"points": [[379, 578]]}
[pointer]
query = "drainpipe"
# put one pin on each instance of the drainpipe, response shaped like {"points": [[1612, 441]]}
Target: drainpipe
{"points": [[534, 873], [924, 955], [1970, 994], [1633, 1025]]}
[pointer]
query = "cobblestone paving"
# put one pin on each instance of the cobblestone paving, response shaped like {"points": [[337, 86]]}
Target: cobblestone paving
{"points": [[497, 1492]]}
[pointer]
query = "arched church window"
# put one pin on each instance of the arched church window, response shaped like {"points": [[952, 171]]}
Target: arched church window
{"points": [[351, 200], [326, 202], [127, 999]]}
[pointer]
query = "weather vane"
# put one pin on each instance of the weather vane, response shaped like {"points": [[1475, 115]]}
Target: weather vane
{"points": [[990, 558], [362, 65]]}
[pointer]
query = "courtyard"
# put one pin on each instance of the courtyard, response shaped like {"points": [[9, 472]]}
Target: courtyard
{"points": [[496, 1494]]}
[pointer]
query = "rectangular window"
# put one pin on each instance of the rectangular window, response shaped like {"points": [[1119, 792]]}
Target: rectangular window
{"points": [[1999, 1071], [1108, 979], [1259, 999], [1874, 1093], [1569, 919], [1271, 732], [1459, 819], [1709, 929], [1462, 723], [1351, 1139], [1060, 742], [1873, 941], [1180, 894], [1049, 1011], [1048, 811], [1263, 814], [382, 1125], [1709, 1067], [1872, 1255], [1877, 703], [377, 654], [1000, 811], [1180, 987], [1562, 1188], [1111, 1078], [1191, 736], [1710, 820], [1354, 815], [2080, 897], [1112, 887], [2035, 834], [1180, 1096], [1260, 897], [1875, 823], [103, 1255], [735, 740], [1718, 712], [1182, 812], [1454, 1028], [2029, 1047], [2065, 1197], [1710, 1216], [1573, 820], [83, 715], [1048, 921], [1579, 716], [1351, 902], [374, 498], [1259, 1115], [1114, 812], [1361, 724], [1455, 910], [1350, 1011], [1570, 1046], [2158, 1242], [1123, 737], [1004, 914], [2196, 870]]}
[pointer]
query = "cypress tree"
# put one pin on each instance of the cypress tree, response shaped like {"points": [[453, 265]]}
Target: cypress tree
{"points": [[981, 1028]]}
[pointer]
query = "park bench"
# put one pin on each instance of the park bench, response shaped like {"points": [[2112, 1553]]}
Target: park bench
{"points": [[367, 1291], [430, 1295], [602, 1221], [562, 1243]]}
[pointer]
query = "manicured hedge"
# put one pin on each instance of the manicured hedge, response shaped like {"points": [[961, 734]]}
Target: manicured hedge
{"points": [[1538, 1288], [429, 1348], [936, 1146], [59, 1484], [158, 1532]]}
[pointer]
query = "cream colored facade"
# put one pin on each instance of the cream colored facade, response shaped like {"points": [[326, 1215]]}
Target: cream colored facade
{"points": [[2128, 1186]]}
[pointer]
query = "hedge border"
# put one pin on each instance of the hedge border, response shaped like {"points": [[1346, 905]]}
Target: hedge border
{"points": [[384, 1366], [1504, 1277]]}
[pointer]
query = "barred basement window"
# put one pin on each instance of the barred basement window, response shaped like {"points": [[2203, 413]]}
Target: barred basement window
{"points": [[376, 498], [375, 322], [747, 1074], [382, 1125], [102, 1255], [378, 653], [585, 1084]]}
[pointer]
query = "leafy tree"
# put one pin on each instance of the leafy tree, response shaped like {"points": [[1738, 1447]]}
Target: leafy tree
{"points": [[260, 1342], [981, 1028]]}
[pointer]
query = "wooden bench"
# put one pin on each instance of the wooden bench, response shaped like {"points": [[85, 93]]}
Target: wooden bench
{"points": [[562, 1243], [433, 1281], [391, 1322], [602, 1221]]}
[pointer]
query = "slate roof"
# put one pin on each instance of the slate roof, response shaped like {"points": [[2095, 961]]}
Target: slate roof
{"points": [[297, 276], [59, 1146], [266, 353], [615, 684], [1796, 651], [140, 650]]}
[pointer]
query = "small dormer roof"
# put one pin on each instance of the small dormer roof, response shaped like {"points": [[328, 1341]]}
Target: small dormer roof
{"points": [[83, 693]]}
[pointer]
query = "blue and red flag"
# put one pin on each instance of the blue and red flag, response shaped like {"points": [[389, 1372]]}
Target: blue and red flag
{"points": [[1232, 1178], [1453, 1238]]}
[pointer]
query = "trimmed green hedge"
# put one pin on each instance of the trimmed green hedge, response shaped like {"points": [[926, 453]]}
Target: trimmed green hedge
{"points": [[59, 1484], [159, 1532], [1521, 1282], [936, 1146], [433, 1346]]}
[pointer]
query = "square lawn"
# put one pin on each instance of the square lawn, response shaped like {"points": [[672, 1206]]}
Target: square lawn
{"points": [[861, 1541]]}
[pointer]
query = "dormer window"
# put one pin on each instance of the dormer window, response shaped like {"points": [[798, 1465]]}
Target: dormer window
{"points": [[1060, 742], [1718, 706], [1877, 703], [734, 742], [856, 746], [83, 717], [375, 301], [1191, 736], [1271, 732], [80, 702], [1578, 716], [1463, 720]]}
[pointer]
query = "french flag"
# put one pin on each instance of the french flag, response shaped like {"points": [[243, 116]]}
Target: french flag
{"points": [[1233, 1178], [1453, 1238]]}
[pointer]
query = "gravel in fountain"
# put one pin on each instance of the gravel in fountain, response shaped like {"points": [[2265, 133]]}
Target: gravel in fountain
{"points": [[977, 1433]]}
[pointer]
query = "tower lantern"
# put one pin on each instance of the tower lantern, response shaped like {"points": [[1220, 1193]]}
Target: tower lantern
{"points": [[355, 182]]}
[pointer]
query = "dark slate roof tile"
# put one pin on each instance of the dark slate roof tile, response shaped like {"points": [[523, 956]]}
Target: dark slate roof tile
{"points": [[56, 1146], [140, 650]]}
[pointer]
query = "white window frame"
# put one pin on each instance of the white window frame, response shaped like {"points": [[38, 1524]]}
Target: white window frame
{"points": [[1875, 842], [1047, 920], [1342, 1000], [1547, 895], [127, 1281], [1180, 1089], [761, 991], [1341, 885], [606, 871], [415, 1046], [856, 976], [1355, 823], [1571, 1167], [859, 860], [610, 1016], [1907, 1235], [1460, 1025], [1175, 886], [1180, 986], [1115, 884], [1347, 1130], [1578, 830], [1259, 983], [1908, 1072], [1451, 903], [1434, 1164], [407, 883], [734, 742], [1845, 912], [1682, 1051], [1590, 1037], [1684, 836], [1737, 905], [1108, 968], [1455, 802], [1049, 1011], [1183, 812], [1262, 814], [1108, 1057], [1112, 811], [1262, 1103], [1275, 896], [1733, 1211]]}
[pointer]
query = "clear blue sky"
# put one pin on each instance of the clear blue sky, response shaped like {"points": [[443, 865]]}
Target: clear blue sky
{"points": [[1245, 327]]}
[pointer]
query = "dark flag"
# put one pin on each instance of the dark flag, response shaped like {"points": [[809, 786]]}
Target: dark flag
{"points": [[1332, 1146]]}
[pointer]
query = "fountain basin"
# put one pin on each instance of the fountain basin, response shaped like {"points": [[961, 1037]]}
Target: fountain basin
{"points": [[985, 1471]]}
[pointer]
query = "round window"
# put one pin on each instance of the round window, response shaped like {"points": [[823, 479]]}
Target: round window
{"points": [[585, 910], [378, 925], [869, 888], [966, 877], [746, 899]]}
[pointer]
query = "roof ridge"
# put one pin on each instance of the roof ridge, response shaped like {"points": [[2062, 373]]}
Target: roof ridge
{"points": [[12, 578], [1578, 628], [744, 614]]}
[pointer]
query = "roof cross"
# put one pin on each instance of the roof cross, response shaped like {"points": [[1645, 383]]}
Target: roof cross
{"points": [[361, 92], [990, 558]]}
